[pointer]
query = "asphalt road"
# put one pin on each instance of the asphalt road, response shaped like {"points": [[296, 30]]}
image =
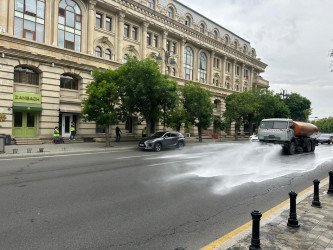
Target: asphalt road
{"points": [[147, 200]]}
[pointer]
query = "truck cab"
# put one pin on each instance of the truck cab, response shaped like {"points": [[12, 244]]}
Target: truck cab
{"points": [[277, 130]]}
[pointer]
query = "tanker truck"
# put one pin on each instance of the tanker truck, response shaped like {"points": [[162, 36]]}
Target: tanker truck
{"points": [[293, 136]]}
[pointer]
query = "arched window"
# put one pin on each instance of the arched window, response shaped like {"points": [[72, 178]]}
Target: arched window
{"points": [[98, 51], [167, 70], [188, 63], [215, 34], [173, 72], [69, 82], [244, 49], [29, 19], [202, 71], [125, 58], [171, 12], [151, 4], [25, 75], [108, 54], [69, 25], [226, 40], [235, 44], [202, 28], [188, 21]]}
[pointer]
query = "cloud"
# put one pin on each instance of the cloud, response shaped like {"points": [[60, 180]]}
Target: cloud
{"points": [[292, 36]]}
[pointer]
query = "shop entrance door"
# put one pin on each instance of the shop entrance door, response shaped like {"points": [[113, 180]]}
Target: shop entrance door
{"points": [[66, 125], [25, 124]]}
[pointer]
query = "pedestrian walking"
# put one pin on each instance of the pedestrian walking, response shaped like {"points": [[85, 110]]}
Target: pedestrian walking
{"points": [[56, 135], [118, 132], [73, 131], [144, 132]]}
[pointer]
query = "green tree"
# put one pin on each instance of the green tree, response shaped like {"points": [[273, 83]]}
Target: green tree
{"points": [[299, 106], [144, 90], [176, 117], [102, 104], [325, 125], [198, 106]]}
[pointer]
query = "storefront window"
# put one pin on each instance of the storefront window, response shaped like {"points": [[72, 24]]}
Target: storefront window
{"points": [[30, 119], [18, 119]]}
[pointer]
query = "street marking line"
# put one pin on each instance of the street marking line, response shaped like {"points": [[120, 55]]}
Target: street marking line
{"points": [[157, 164], [52, 156], [125, 157], [248, 224]]}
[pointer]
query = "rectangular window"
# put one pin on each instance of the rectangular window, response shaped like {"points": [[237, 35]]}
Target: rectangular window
{"points": [[228, 67], [155, 41], [108, 23], [30, 119], [217, 63], [135, 33], [148, 38], [173, 48], [168, 45], [100, 129], [126, 30], [18, 117], [98, 20], [237, 70]]}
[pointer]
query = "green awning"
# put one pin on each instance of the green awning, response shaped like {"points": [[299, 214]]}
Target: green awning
{"points": [[27, 106]]}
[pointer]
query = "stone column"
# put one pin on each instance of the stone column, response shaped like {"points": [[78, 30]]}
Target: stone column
{"points": [[3, 15], [91, 26], [163, 64], [195, 66], [121, 18], [233, 69], [144, 39], [181, 58], [223, 71], [251, 78], [10, 15], [211, 71], [242, 78]]}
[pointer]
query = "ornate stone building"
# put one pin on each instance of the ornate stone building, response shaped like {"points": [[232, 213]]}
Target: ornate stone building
{"points": [[48, 49]]}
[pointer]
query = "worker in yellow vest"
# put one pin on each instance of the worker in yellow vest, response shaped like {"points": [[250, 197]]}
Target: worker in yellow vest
{"points": [[56, 135], [73, 131], [144, 132]]}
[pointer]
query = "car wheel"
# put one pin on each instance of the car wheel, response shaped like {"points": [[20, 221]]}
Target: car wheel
{"points": [[308, 146], [158, 147], [180, 145]]}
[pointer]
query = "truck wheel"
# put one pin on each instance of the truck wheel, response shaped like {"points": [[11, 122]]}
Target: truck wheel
{"points": [[313, 146], [291, 148], [308, 146]]}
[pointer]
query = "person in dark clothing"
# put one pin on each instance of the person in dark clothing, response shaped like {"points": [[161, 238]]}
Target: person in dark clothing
{"points": [[118, 131]]}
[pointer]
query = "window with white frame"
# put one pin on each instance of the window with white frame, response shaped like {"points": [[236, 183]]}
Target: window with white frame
{"points": [[151, 4], [69, 25], [188, 63], [171, 12], [188, 21], [202, 71]]}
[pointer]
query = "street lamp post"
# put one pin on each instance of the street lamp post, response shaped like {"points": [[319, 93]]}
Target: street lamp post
{"points": [[167, 55], [284, 93]]}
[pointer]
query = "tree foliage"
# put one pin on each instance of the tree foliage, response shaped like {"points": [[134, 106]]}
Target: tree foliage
{"points": [[144, 90], [325, 125], [250, 107], [198, 106], [176, 117], [101, 105], [299, 106]]}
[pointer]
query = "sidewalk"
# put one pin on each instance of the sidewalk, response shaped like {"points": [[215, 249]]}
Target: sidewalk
{"points": [[315, 231]]}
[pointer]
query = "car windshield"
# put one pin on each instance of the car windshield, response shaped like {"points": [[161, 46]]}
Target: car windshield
{"points": [[274, 124], [158, 134]]}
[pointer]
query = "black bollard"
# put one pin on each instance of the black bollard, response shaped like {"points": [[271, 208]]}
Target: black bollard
{"points": [[255, 241], [330, 185], [316, 202], [292, 221]]}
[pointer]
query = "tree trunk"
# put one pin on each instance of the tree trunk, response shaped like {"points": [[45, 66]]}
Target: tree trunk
{"points": [[250, 125], [200, 133], [107, 136], [148, 123]]}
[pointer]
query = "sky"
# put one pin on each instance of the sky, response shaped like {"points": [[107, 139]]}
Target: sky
{"points": [[294, 37]]}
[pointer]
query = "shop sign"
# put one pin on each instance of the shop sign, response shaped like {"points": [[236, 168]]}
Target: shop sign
{"points": [[27, 98]]}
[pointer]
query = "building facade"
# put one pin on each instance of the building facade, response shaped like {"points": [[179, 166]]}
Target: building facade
{"points": [[48, 49]]}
